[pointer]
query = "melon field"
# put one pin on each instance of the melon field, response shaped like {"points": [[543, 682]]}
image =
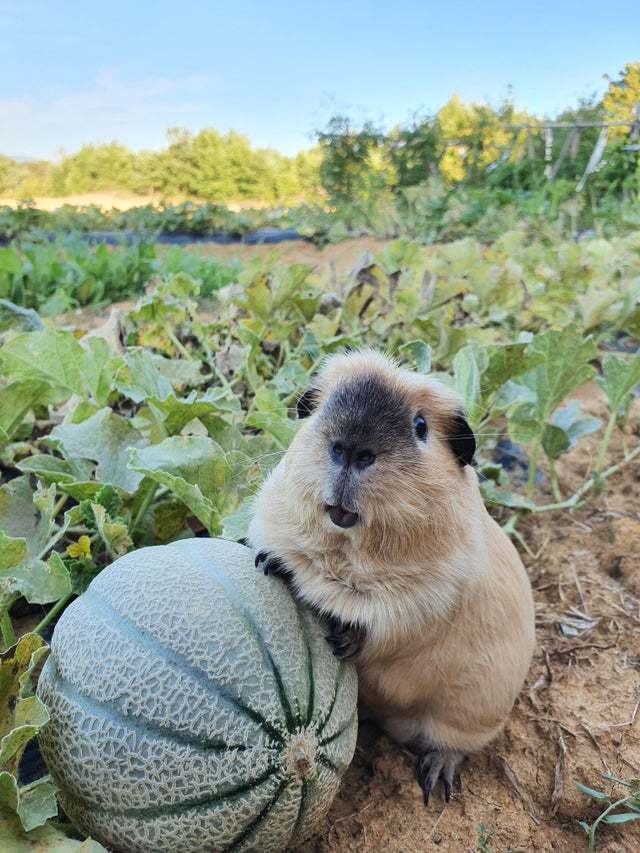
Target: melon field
{"points": [[145, 393]]}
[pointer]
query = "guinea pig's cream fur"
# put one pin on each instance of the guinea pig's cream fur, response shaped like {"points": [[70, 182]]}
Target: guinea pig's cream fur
{"points": [[376, 517]]}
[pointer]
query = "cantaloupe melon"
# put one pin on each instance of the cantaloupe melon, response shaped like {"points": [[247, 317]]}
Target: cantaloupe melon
{"points": [[195, 706]]}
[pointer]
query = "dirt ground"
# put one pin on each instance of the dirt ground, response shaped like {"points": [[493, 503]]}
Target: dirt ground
{"points": [[121, 200], [332, 260], [578, 715]]}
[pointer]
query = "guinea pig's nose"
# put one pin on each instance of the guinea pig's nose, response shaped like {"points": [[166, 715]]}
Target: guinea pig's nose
{"points": [[338, 453], [341, 517], [363, 458], [359, 458]]}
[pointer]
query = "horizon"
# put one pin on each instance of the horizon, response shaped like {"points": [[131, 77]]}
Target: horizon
{"points": [[72, 79]]}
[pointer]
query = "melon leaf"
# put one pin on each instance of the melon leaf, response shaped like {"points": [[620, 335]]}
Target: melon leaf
{"points": [[61, 362], [194, 468], [235, 525], [22, 571], [618, 380], [105, 438], [22, 715], [50, 838], [16, 399]]}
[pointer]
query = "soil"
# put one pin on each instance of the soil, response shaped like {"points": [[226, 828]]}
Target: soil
{"points": [[578, 715], [331, 260], [123, 200]]}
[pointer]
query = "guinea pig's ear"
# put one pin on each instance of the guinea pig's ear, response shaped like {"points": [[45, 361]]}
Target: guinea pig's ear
{"points": [[461, 439], [307, 402]]}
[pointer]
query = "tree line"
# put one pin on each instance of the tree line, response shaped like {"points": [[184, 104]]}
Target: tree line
{"points": [[461, 144]]}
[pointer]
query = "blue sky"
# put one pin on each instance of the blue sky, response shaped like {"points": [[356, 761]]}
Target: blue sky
{"points": [[74, 72]]}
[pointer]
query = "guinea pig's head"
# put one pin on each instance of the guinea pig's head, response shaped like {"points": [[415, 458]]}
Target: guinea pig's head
{"points": [[382, 447]]}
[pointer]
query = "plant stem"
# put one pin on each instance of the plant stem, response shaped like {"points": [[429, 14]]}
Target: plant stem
{"points": [[592, 832], [555, 488], [220, 375], [8, 635], [57, 607], [533, 466], [588, 485], [58, 536], [604, 444], [144, 506], [25, 788], [178, 344], [60, 503]]}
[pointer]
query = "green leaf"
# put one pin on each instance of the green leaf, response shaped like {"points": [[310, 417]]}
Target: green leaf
{"points": [[568, 418], [512, 394], [19, 516], [16, 317], [27, 513], [10, 261], [179, 371], [30, 714], [81, 491], [506, 361], [235, 525], [194, 468], [142, 379], [43, 839], [591, 792], [37, 803], [564, 365], [105, 438], [109, 498], [493, 494], [55, 358], [523, 426], [18, 398], [49, 468], [99, 369], [60, 361], [22, 715], [164, 522], [468, 366], [270, 415], [619, 378], [621, 817], [175, 414], [420, 354], [12, 551], [555, 441], [114, 532], [37, 581], [290, 377]]}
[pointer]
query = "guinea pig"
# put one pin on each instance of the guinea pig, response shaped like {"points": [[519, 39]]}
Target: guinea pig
{"points": [[375, 517]]}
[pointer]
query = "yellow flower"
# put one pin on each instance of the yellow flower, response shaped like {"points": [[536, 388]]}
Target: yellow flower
{"points": [[80, 549]]}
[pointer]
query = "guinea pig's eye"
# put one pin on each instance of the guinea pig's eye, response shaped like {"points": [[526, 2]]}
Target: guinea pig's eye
{"points": [[420, 426]]}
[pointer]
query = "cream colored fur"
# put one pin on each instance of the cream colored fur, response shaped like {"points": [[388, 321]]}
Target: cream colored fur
{"points": [[437, 584]]}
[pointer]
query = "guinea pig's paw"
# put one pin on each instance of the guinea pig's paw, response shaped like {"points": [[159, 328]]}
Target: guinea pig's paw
{"points": [[438, 764], [345, 638], [270, 564]]}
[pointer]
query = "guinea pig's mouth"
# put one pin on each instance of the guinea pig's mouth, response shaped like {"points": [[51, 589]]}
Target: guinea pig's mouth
{"points": [[340, 516]]}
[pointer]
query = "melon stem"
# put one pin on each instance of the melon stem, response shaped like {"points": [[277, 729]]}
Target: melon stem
{"points": [[300, 756]]}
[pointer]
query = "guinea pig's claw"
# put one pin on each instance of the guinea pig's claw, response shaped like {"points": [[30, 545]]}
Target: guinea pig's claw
{"points": [[270, 564], [345, 638], [435, 765]]}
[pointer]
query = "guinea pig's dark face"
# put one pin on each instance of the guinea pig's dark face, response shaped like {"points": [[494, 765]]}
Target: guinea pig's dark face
{"points": [[367, 430], [382, 449]]}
